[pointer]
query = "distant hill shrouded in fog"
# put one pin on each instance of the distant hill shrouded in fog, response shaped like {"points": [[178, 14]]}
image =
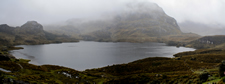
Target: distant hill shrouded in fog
{"points": [[137, 22], [202, 29]]}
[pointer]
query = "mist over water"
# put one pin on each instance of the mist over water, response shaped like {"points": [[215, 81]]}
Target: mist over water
{"points": [[88, 54]]}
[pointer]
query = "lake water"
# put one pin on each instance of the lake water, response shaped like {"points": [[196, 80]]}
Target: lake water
{"points": [[88, 54]]}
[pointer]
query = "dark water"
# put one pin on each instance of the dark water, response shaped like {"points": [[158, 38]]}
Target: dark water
{"points": [[87, 54]]}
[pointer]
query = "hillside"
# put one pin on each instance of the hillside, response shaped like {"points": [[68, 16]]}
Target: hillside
{"points": [[215, 42], [29, 33]]}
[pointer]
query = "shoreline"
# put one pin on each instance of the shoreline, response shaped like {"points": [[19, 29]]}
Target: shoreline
{"points": [[118, 63]]}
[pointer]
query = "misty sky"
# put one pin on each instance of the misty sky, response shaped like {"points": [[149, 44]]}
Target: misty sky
{"points": [[17, 12]]}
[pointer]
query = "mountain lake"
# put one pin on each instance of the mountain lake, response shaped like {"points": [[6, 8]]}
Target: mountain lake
{"points": [[89, 54]]}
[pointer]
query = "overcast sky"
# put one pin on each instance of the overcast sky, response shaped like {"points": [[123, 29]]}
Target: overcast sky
{"points": [[17, 12]]}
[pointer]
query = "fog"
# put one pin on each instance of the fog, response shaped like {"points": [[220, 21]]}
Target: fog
{"points": [[17, 12]]}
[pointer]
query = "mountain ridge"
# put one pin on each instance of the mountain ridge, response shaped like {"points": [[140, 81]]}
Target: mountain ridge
{"points": [[29, 33]]}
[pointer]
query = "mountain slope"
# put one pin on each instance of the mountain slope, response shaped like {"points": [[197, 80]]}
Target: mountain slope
{"points": [[217, 41], [29, 33]]}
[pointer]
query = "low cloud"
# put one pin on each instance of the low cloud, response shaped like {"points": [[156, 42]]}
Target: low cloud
{"points": [[17, 12], [200, 11]]}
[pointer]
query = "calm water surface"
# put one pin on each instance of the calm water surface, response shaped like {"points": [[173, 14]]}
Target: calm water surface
{"points": [[87, 54]]}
